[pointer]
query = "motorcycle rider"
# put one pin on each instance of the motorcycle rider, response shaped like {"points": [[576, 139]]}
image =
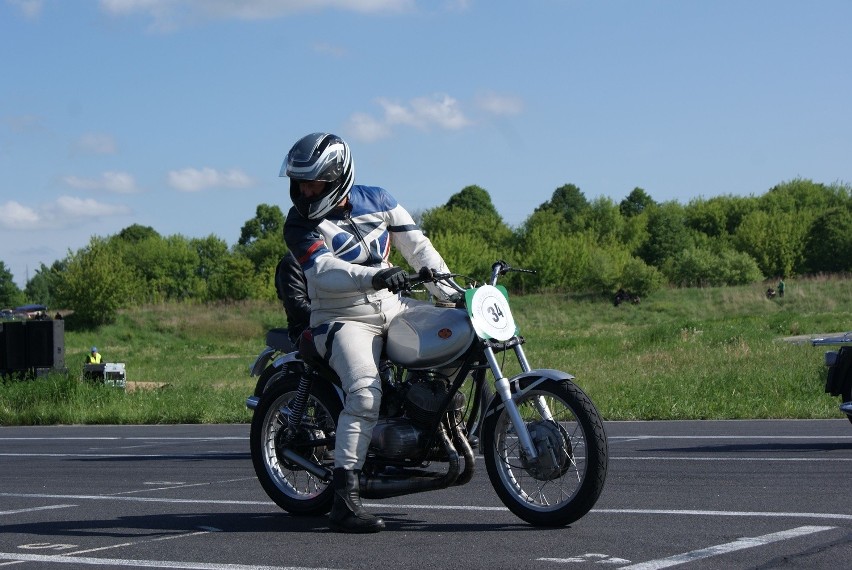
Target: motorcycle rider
{"points": [[341, 234], [293, 292]]}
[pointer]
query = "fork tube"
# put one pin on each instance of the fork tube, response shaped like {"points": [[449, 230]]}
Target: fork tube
{"points": [[540, 402], [522, 358], [502, 385]]}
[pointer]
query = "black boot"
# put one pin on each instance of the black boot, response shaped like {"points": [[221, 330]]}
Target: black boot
{"points": [[347, 513]]}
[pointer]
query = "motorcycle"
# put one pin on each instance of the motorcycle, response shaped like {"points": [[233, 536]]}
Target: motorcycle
{"points": [[838, 380], [541, 437]]}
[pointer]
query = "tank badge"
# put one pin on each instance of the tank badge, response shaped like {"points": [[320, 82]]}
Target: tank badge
{"points": [[445, 333]]}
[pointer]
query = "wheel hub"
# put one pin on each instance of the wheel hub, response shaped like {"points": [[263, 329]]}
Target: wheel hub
{"points": [[553, 447], [301, 443]]}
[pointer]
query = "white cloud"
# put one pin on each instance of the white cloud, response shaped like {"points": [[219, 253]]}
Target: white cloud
{"points": [[70, 207], [169, 14], [15, 216], [194, 180], [30, 8], [441, 111], [95, 143], [500, 104], [366, 128], [117, 182], [64, 212]]}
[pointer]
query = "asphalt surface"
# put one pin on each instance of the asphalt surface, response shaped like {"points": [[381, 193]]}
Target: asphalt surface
{"points": [[704, 494]]}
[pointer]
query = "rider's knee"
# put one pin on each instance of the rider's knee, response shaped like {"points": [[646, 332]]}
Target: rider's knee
{"points": [[364, 402]]}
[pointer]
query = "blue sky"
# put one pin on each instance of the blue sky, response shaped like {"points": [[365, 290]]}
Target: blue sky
{"points": [[176, 114]]}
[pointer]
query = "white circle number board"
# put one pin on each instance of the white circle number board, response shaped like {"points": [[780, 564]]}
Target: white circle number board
{"points": [[489, 312]]}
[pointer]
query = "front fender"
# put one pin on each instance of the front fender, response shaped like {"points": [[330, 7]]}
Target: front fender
{"points": [[520, 386], [522, 383]]}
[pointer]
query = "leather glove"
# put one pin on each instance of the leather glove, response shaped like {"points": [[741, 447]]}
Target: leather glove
{"points": [[393, 278], [426, 274]]}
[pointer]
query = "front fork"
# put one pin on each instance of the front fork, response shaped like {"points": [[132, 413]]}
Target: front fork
{"points": [[504, 389]]}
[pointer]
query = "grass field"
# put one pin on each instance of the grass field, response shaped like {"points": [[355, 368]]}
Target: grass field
{"points": [[717, 353]]}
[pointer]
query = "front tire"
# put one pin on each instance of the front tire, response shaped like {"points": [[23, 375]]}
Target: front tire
{"points": [[571, 444], [291, 487]]}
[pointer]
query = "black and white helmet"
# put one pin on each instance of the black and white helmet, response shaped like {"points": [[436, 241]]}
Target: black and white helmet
{"points": [[324, 157]]}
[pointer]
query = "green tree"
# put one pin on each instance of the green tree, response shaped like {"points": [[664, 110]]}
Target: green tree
{"points": [[559, 258], [468, 232], [774, 240], [828, 245], [570, 202], [707, 216], [640, 278], [41, 288], [236, 280], [212, 255], [136, 233], [798, 195], [473, 198], [10, 293], [667, 234], [96, 283], [604, 220], [443, 220], [603, 273], [635, 203], [166, 266], [262, 238]]}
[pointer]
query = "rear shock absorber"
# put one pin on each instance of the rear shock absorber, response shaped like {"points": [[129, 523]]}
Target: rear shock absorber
{"points": [[296, 407]]}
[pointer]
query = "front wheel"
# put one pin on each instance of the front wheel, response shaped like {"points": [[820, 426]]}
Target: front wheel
{"points": [[567, 477], [294, 489]]}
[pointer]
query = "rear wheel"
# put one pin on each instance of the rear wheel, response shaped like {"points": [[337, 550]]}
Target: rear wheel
{"points": [[568, 475], [846, 393], [294, 489]]}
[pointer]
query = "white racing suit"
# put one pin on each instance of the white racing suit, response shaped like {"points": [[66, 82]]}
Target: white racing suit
{"points": [[340, 255]]}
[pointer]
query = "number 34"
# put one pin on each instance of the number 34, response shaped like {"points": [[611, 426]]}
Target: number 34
{"points": [[495, 312]]}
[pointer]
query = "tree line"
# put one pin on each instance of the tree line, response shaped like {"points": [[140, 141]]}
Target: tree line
{"points": [[574, 244]]}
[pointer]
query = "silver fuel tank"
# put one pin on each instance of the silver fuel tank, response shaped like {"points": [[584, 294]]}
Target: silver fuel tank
{"points": [[428, 337]]}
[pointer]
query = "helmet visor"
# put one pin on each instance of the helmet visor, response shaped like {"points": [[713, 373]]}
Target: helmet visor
{"points": [[307, 162]]}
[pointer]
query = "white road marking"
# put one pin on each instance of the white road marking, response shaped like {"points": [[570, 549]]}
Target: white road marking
{"points": [[740, 544], [433, 507], [205, 455], [755, 459], [81, 561], [45, 508], [118, 438], [744, 437]]}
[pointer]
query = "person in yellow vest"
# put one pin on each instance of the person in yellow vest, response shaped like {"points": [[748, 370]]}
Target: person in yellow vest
{"points": [[93, 357]]}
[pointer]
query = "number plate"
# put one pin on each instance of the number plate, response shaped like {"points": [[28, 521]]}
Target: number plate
{"points": [[488, 307]]}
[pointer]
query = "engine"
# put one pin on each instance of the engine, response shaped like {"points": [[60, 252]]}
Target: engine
{"points": [[404, 436]]}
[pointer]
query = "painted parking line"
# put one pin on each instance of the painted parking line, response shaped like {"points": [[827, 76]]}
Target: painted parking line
{"points": [[88, 561], [31, 509], [436, 507], [739, 544]]}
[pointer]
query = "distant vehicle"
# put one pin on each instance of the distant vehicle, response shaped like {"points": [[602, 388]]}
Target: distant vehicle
{"points": [[30, 311], [7, 314]]}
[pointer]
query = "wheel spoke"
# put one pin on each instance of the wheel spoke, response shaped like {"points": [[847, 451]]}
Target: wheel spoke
{"points": [[292, 480], [557, 474]]}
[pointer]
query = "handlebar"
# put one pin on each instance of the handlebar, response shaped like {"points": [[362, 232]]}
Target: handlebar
{"points": [[498, 269]]}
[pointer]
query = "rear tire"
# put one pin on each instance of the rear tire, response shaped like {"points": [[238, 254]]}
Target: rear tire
{"points": [[295, 490], [572, 452], [846, 393]]}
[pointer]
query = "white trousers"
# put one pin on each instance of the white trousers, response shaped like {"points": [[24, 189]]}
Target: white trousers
{"points": [[353, 347]]}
